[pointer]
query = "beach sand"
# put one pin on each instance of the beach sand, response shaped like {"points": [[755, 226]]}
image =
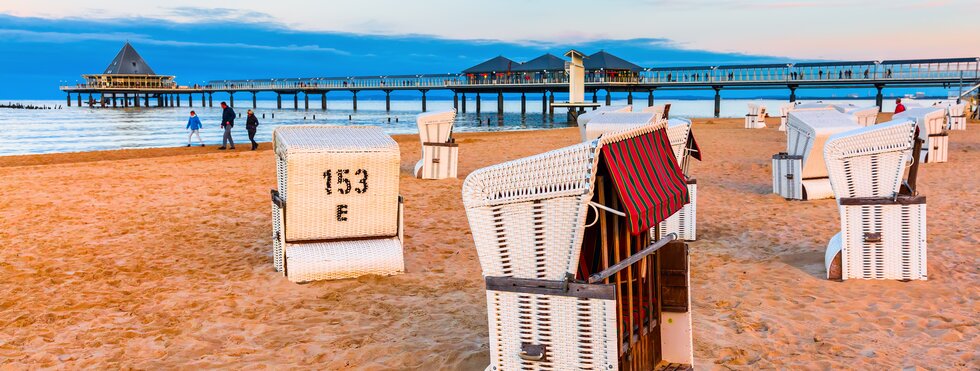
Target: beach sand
{"points": [[160, 258]]}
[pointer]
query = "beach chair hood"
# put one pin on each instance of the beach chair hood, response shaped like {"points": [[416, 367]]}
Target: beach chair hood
{"points": [[870, 161]]}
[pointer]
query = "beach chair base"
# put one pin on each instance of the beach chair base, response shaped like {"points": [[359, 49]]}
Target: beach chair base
{"points": [[782, 123], [439, 161], [936, 148], [336, 259], [880, 238], [684, 221], [755, 122], [786, 176]]}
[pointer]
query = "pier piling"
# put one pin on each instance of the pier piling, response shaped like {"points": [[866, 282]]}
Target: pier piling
{"points": [[523, 104], [296, 101], [792, 93], [254, 100], [323, 101], [717, 101], [608, 97], [464, 102], [455, 100], [113, 100], [210, 100], [278, 101], [629, 97], [354, 101], [595, 97], [306, 101], [231, 98], [500, 103], [178, 100], [544, 102], [423, 100], [477, 103], [650, 99], [79, 99], [879, 99], [551, 103], [387, 100], [69, 99]]}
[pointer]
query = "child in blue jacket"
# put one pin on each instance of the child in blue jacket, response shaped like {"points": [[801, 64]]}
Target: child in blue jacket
{"points": [[194, 125]]}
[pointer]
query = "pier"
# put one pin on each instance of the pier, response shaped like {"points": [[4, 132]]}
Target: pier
{"points": [[605, 74]]}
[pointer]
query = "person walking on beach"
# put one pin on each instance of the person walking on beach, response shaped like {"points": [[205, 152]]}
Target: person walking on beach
{"points": [[251, 124], [194, 125], [899, 107], [227, 122]]}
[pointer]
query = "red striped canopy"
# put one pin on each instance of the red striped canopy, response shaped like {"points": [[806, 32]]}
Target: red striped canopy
{"points": [[647, 178]]}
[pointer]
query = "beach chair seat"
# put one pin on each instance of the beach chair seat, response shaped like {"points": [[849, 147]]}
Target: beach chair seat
{"points": [[756, 118], [864, 116], [932, 129], [883, 229], [336, 213], [956, 115], [440, 153], [800, 172], [583, 119], [559, 235]]}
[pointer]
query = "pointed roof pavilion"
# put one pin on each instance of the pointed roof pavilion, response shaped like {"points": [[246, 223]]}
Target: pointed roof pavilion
{"points": [[495, 64], [547, 62], [607, 61], [128, 62]]}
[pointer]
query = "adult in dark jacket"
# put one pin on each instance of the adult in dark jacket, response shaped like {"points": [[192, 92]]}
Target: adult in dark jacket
{"points": [[227, 122], [252, 124]]}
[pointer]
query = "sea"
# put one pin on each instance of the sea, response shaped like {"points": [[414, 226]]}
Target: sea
{"points": [[76, 129]]}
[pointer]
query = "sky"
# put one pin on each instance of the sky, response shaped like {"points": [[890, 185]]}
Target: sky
{"points": [[44, 42]]}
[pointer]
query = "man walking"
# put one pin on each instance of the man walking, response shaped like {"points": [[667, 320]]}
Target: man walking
{"points": [[227, 122], [252, 124]]}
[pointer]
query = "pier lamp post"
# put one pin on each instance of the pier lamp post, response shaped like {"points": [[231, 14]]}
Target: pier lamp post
{"points": [[714, 70], [875, 74]]}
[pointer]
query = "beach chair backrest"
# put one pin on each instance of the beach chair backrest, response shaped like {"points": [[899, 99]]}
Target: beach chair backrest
{"points": [[931, 120], [866, 116], [808, 130], [813, 107], [957, 110], [678, 130], [436, 127], [870, 161], [612, 122], [753, 109]]}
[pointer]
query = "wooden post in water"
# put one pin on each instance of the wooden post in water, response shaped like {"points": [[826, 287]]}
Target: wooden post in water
{"points": [[210, 100], [69, 99], [296, 100], [423, 100], [523, 103], [717, 100], [464, 102], [323, 100], [190, 100], [90, 100], [255, 100], [178, 99], [629, 97], [500, 102], [544, 102], [354, 92], [79, 99], [113, 100], [650, 99], [478, 103], [136, 100], [608, 97], [306, 101], [279, 100], [388, 100]]}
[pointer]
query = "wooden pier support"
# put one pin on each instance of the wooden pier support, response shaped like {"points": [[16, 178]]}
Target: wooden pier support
{"points": [[608, 97], [69, 99], [595, 96], [113, 100], [717, 100], [477, 103], [159, 100], [792, 93], [178, 100], [146, 100], [79, 99], [231, 99], [296, 100], [500, 103], [102, 100], [354, 92], [523, 103], [455, 100], [387, 100], [423, 100], [323, 101], [650, 99], [190, 100], [464, 102], [629, 97], [879, 98], [90, 102], [279, 100], [210, 100], [136, 100], [306, 101], [551, 103], [255, 100], [544, 102]]}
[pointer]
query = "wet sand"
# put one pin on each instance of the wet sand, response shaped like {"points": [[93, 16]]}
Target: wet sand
{"points": [[160, 258]]}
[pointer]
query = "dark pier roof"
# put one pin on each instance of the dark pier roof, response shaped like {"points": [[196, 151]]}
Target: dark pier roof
{"points": [[128, 62], [547, 62], [606, 61], [495, 64]]}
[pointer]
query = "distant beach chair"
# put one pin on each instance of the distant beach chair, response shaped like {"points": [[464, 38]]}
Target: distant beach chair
{"points": [[583, 119], [337, 213], [864, 116], [932, 129], [956, 113], [440, 153], [756, 118], [800, 172], [661, 110], [574, 281], [883, 219], [784, 114]]}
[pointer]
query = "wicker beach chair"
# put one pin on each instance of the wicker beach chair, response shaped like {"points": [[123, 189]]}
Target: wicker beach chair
{"points": [[883, 220], [661, 110], [956, 115], [440, 153], [583, 119], [572, 282], [756, 118], [800, 172], [864, 116], [784, 114], [932, 129], [337, 212]]}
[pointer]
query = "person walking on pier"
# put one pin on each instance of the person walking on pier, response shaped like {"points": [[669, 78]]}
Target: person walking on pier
{"points": [[252, 124], [194, 125], [227, 122]]}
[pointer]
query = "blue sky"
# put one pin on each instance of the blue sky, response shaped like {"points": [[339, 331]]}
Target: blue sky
{"points": [[44, 42]]}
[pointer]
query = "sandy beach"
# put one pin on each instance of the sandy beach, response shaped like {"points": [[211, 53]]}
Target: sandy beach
{"points": [[161, 259]]}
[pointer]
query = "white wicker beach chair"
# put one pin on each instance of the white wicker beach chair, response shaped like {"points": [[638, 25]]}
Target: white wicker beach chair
{"points": [[784, 114], [337, 212], [932, 129], [613, 122], [883, 229], [583, 119], [440, 153], [573, 283], [800, 172], [756, 118], [864, 116], [661, 110], [956, 114]]}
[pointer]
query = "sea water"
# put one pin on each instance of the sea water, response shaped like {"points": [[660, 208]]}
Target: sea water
{"points": [[74, 129]]}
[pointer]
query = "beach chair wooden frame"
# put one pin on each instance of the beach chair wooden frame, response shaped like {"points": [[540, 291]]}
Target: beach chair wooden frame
{"points": [[537, 222], [337, 213], [883, 219], [807, 130], [932, 129], [440, 153], [756, 118], [956, 116]]}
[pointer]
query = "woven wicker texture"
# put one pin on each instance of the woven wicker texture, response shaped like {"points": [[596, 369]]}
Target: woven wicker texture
{"points": [[684, 221], [343, 259], [901, 252], [807, 130], [337, 181], [870, 161], [678, 131], [278, 238], [436, 127], [583, 119], [579, 334], [657, 110], [931, 120], [528, 215], [612, 122], [786, 179]]}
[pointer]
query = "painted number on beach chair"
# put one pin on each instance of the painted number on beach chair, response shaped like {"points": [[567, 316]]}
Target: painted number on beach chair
{"points": [[343, 182]]}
